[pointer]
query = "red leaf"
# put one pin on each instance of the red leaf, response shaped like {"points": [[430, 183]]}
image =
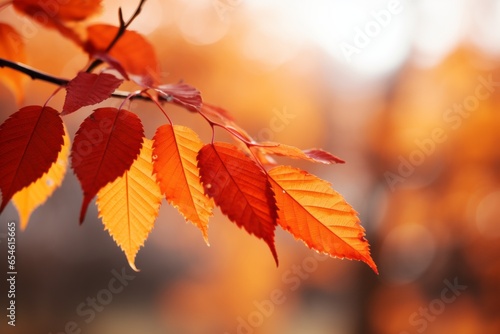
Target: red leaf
{"points": [[241, 189], [313, 212], [135, 54], [87, 89], [183, 95], [30, 141], [105, 145]]}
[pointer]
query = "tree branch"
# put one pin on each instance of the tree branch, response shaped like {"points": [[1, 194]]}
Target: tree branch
{"points": [[33, 73], [39, 75]]}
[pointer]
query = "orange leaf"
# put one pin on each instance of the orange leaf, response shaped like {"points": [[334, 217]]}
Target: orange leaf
{"points": [[49, 10], [105, 145], [34, 195], [54, 14], [175, 151], [87, 89], [314, 213], [129, 205], [312, 155], [134, 53], [240, 188], [30, 141], [12, 48]]}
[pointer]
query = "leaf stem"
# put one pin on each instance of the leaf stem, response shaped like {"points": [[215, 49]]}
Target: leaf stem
{"points": [[129, 97], [234, 133], [155, 100], [52, 95]]}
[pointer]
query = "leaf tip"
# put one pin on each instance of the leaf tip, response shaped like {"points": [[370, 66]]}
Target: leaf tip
{"points": [[275, 254], [205, 237], [132, 265], [369, 261], [23, 223], [83, 210]]}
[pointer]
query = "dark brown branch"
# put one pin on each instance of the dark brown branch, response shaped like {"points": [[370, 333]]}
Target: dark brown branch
{"points": [[33, 73], [39, 75]]}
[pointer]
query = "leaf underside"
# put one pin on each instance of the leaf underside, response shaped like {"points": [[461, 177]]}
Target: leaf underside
{"points": [[182, 94]]}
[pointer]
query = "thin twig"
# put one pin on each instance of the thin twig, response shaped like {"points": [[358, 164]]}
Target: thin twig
{"points": [[121, 30], [123, 26]]}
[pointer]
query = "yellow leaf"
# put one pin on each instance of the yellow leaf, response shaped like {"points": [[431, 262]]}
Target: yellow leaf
{"points": [[12, 48], [129, 205], [29, 198], [175, 166]]}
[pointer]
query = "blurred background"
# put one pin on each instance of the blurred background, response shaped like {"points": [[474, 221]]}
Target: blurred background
{"points": [[404, 90]]}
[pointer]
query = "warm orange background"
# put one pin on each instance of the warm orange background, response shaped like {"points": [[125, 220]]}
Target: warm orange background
{"points": [[438, 224]]}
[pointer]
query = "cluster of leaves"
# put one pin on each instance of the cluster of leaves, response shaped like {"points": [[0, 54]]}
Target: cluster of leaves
{"points": [[131, 174]]}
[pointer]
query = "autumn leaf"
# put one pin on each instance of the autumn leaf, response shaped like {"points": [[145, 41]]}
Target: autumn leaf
{"points": [[312, 155], [105, 145], [319, 155], [240, 188], [34, 195], [129, 205], [12, 48], [87, 89], [175, 165], [67, 10], [182, 94], [134, 53], [313, 212], [30, 141]]}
